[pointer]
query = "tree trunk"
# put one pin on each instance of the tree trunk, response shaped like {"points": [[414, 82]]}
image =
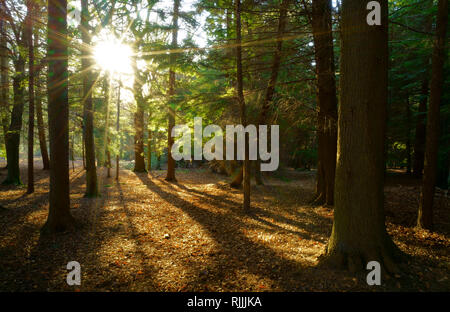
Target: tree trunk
{"points": [[13, 134], [59, 217], [327, 101], [149, 149], [4, 75], [425, 216], [40, 121], [29, 37], [419, 142], [238, 178], [82, 148], [270, 91], [72, 153], [359, 234], [408, 135], [170, 161], [106, 140], [88, 110], [139, 160], [158, 161], [241, 101], [118, 134]]}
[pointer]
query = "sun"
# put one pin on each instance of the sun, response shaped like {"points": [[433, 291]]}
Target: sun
{"points": [[113, 56]]}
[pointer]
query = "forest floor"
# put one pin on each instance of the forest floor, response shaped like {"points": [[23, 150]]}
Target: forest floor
{"points": [[144, 234]]}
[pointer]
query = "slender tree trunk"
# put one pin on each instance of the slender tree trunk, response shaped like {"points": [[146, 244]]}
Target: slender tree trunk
{"points": [[158, 165], [118, 134], [425, 216], [139, 159], [4, 75], [241, 101], [149, 149], [41, 127], [359, 234], [88, 110], [39, 114], [327, 101], [15, 127], [106, 140], [170, 161], [59, 217], [29, 37], [72, 153], [270, 91], [419, 142], [108, 159], [83, 156], [408, 135]]}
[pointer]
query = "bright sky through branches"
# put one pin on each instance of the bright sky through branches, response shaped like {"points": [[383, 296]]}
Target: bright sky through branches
{"points": [[113, 56]]}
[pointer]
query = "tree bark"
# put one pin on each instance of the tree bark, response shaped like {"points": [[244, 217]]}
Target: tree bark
{"points": [[15, 127], [118, 134], [241, 101], [170, 161], [327, 101], [425, 216], [149, 148], [419, 142], [270, 91], [408, 135], [31, 70], [59, 217], [4, 74], [88, 110], [40, 117], [359, 234], [139, 160], [106, 140]]}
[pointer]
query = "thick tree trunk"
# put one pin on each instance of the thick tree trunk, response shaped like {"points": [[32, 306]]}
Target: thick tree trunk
{"points": [[29, 37], [170, 161], [241, 101], [59, 217], [13, 134], [327, 101], [425, 216], [359, 234], [88, 110]]}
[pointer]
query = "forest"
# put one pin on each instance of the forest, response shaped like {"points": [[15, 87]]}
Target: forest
{"points": [[224, 146]]}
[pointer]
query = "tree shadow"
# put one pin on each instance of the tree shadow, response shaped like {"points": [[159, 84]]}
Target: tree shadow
{"points": [[240, 251], [257, 213]]}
